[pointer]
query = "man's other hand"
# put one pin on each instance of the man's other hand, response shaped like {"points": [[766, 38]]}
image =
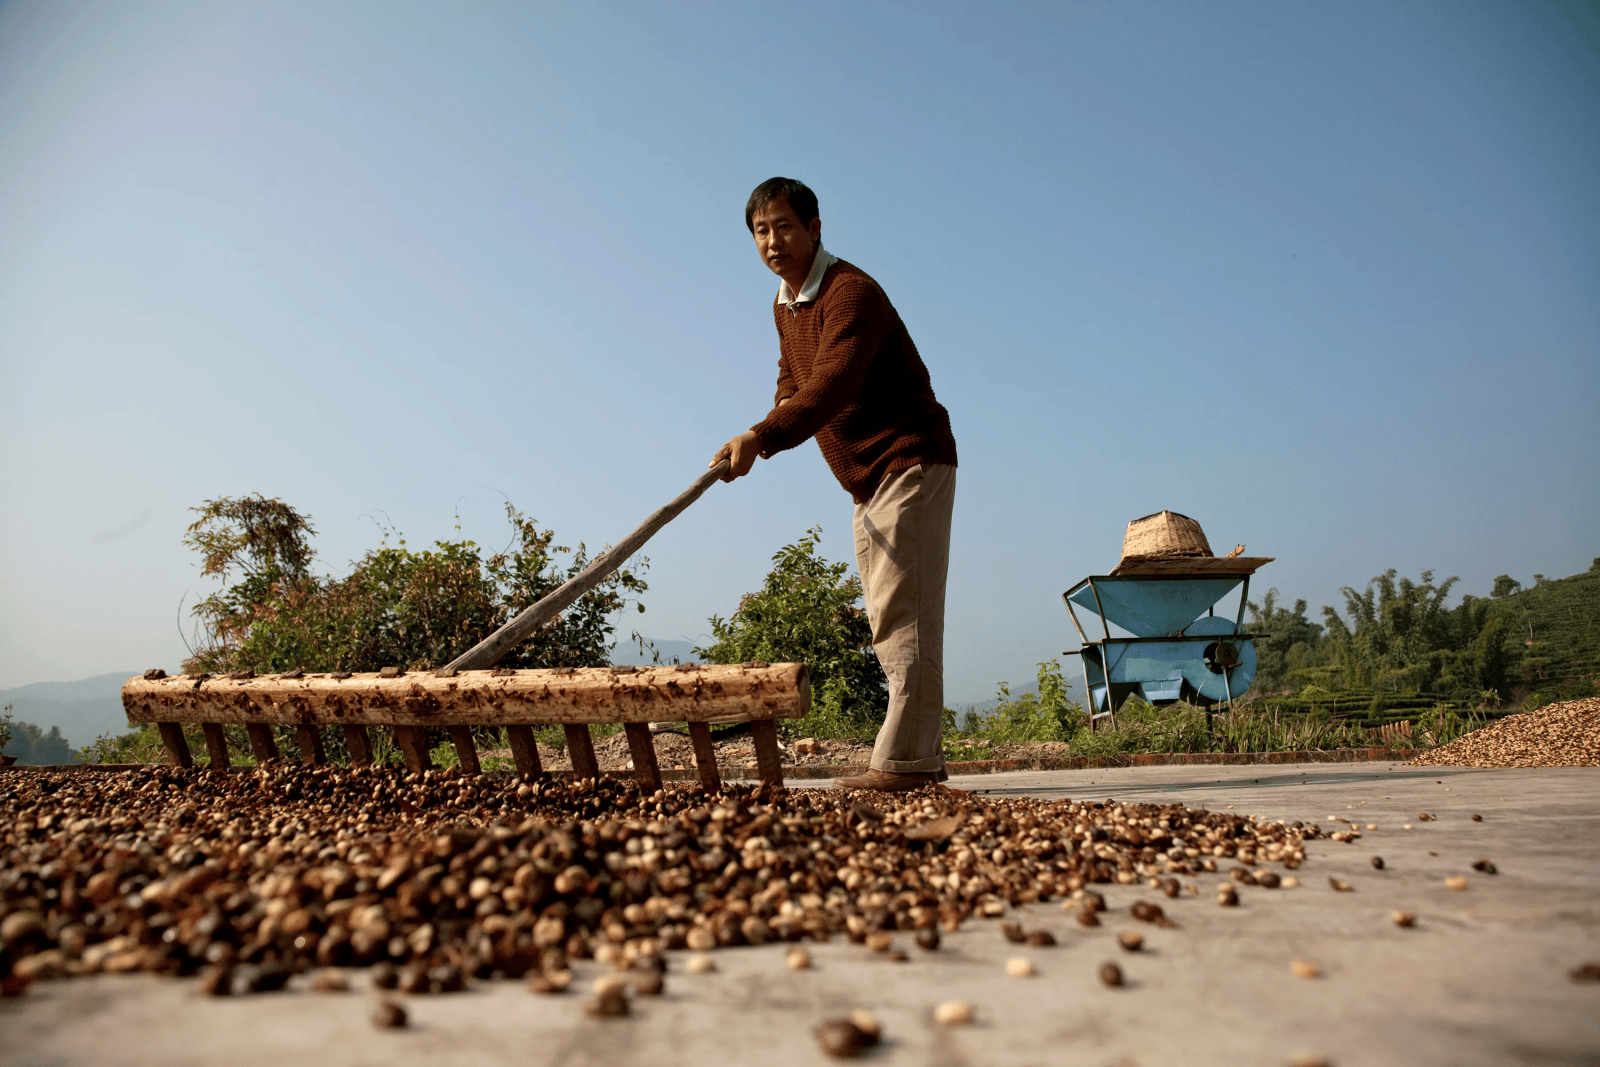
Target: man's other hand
{"points": [[741, 453]]}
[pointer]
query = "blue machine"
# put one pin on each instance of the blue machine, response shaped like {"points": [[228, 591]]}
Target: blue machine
{"points": [[1179, 649]]}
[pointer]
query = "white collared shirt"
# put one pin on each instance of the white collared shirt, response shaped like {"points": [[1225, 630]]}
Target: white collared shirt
{"points": [[813, 282]]}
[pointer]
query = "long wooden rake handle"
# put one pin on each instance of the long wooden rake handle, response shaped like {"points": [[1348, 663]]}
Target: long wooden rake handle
{"points": [[492, 649]]}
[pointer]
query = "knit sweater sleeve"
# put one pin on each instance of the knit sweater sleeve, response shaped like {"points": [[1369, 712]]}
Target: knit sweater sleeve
{"points": [[856, 320], [786, 385]]}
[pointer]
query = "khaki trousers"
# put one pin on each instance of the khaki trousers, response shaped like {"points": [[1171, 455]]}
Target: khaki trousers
{"points": [[903, 554]]}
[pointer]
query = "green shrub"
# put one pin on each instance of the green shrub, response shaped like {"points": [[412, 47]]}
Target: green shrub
{"points": [[1047, 714], [397, 607], [1555, 694], [807, 612]]}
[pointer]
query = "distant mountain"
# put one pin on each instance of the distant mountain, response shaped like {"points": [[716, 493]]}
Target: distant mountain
{"points": [[83, 709]]}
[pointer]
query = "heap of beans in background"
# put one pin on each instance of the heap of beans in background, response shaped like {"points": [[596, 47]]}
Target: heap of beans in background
{"points": [[440, 878], [1558, 735]]}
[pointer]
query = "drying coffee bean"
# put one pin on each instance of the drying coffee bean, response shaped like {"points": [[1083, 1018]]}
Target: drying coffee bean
{"points": [[1486, 867], [1146, 912], [608, 982], [1377, 863], [1268, 879], [880, 941], [1588, 972], [701, 964], [611, 1004], [1040, 939], [22, 929], [867, 1023], [412, 872], [1242, 875], [1291, 882], [259, 978], [1477, 818], [414, 980], [389, 1016], [1456, 883], [1170, 887], [1304, 969], [1019, 967], [953, 1013], [1227, 896], [843, 1039], [216, 981], [220, 953], [385, 975], [896, 955], [755, 930], [330, 980], [446, 978], [928, 938], [545, 985], [649, 984], [1110, 975], [798, 959], [1340, 886], [1013, 932], [1088, 918], [1404, 918], [1130, 940]]}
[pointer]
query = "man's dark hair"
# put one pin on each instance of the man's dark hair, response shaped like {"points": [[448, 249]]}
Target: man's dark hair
{"points": [[802, 199]]}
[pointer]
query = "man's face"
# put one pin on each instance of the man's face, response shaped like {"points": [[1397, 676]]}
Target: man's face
{"points": [[785, 244]]}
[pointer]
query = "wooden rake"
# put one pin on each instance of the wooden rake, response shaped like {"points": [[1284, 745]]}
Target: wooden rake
{"points": [[468, 692]]}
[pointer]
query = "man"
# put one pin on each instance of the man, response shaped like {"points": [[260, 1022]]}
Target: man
{"points": [[849, 375]]}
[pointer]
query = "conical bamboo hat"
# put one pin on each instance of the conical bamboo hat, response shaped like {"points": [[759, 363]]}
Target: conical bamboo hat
{"points": [[1170, 543], [1164, 535]]}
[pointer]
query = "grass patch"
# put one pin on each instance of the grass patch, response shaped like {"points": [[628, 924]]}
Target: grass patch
{"points": [[1138, 728]]}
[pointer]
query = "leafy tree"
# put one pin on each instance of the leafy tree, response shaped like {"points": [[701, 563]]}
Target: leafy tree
{"points": [[807, 612], [1293, 642], [1504, 585], [267, 543], [397, 607], [1047, 714], [33, 745], [1402, 637]]}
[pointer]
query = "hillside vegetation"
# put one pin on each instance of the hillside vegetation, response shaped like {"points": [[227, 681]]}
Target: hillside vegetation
{"points": [[1397, 649]]}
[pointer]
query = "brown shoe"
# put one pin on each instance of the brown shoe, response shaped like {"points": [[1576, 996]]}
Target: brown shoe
{"points": [[888, 781]]}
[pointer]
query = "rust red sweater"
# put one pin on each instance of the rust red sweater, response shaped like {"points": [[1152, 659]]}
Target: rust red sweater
{"points": [[853, 379]]}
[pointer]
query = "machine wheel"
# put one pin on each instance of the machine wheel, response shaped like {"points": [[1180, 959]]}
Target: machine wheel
{"points": [[1225, 667]]}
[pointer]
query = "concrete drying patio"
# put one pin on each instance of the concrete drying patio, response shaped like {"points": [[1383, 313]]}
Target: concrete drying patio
{"points": [[1481, 979]]}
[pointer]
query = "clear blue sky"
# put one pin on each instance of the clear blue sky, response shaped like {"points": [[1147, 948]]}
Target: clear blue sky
{"points": [[1324, 276]]}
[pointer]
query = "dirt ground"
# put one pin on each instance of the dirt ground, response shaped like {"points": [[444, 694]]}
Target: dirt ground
{"points": [[674, 752]]}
